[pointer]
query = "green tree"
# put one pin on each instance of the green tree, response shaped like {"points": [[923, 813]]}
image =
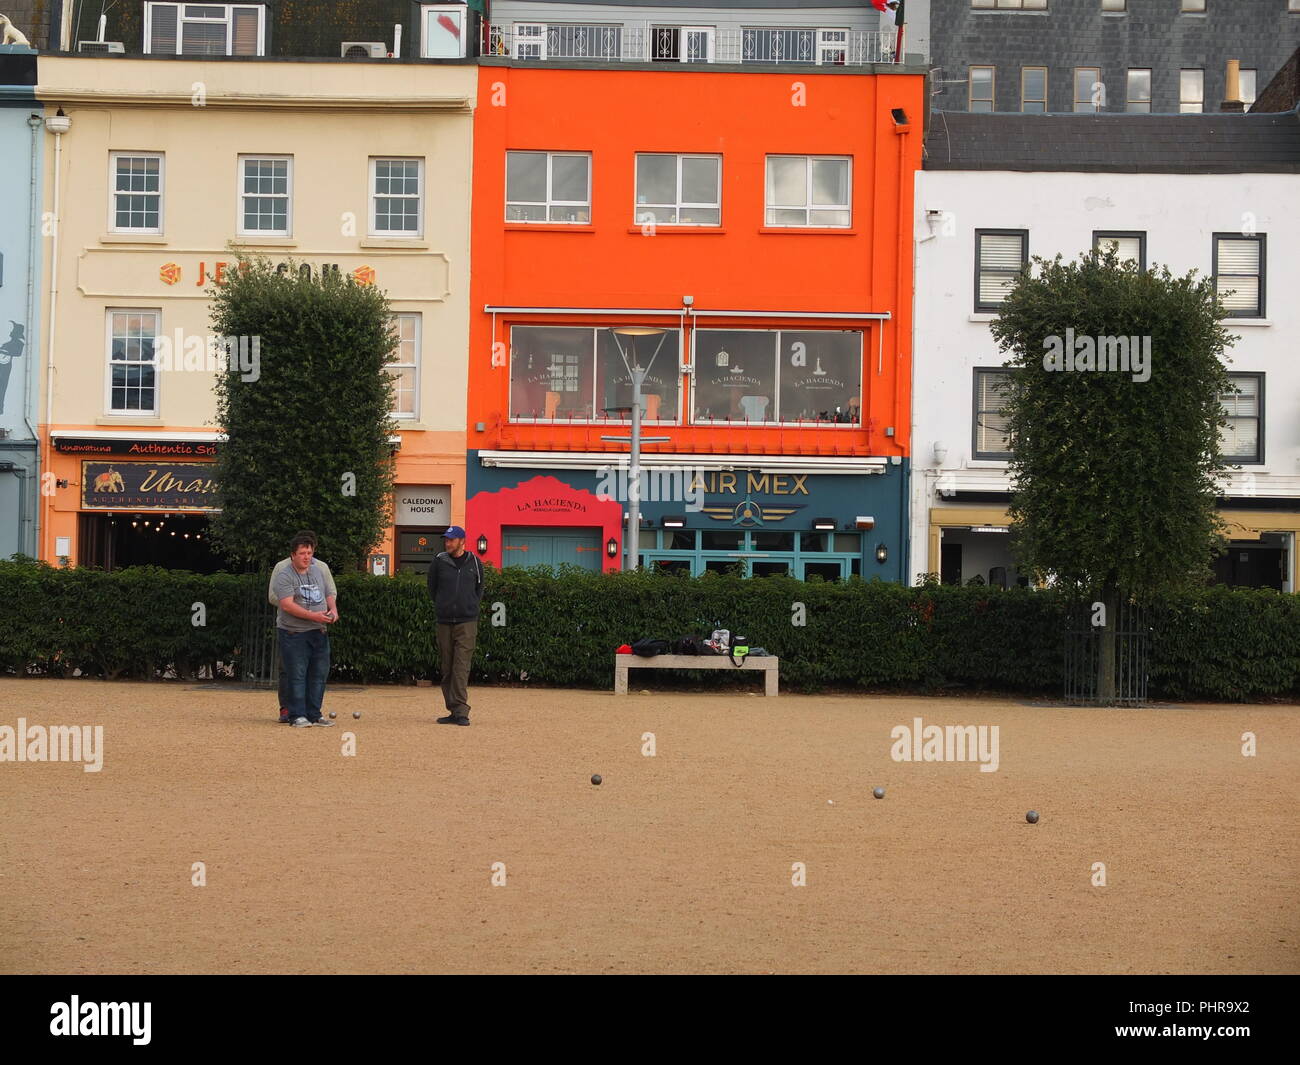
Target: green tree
{"points": [[1114, 476], [307, 414]]}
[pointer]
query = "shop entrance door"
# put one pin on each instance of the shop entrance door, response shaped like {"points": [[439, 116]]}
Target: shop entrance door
{"points": [[531, 546]]}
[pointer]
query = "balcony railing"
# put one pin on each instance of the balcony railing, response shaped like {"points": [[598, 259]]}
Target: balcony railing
{"points": [[644, 43]]}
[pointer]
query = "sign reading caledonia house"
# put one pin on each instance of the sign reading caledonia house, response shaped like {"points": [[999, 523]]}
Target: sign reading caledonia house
{"points": [[147, 486]]}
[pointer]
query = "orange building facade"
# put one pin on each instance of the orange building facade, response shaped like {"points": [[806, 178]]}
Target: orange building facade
{"points": [[754, 229]]}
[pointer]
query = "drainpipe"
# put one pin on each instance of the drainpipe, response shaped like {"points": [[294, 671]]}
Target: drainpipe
{"points": [[58, 124], [31, 534]]}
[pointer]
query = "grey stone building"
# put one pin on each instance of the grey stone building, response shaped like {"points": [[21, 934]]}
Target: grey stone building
{"points": [[1159, 56]]}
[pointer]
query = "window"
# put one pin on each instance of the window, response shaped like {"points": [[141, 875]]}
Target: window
{"points": [[1033, 90], [808, 190], [774, 44], [445, 30], [132, 381], [766, 376], [992, 390], [1000, 255], [578, 374], [1242, 439], [1139, 92], [396, 194], [1193, 6], [678, 190], [1239, 273], [265, 194], [681, 44], [204, 29], [981, 89], [530, 40], [1114, 5], [137, 205], [548, 187], [1247, 87], [1016, 5], [1191, 91], [1127, 246], [1089, 92], [405, 364]]}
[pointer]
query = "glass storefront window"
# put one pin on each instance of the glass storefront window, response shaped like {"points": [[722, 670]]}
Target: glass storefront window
{"points": [[681, 539], [848, 543], [572, 374], [723, 540], [772, 541], [735, 375], [827, 571], [769, 569], [821, 377]]}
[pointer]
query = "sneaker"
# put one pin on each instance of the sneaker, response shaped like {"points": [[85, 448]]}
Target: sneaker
{"points": [[323, 722], [453, 719], [284, 716], [301, 722]]}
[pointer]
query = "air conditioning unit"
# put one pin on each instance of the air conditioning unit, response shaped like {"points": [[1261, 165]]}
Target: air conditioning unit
{"points": [[101, 47], [364, 50]]}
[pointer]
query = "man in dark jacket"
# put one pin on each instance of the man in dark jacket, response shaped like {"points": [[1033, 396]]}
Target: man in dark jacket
{"points": [[456, 586]]}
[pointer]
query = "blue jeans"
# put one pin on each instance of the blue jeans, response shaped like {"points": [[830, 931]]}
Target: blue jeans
{"points": [[305, 657]]}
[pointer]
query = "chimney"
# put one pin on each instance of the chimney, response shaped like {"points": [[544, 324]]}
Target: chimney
{"points": [[1232, 89]]}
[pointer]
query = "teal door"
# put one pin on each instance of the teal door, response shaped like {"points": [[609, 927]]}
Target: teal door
{"points": [[532, 546]]}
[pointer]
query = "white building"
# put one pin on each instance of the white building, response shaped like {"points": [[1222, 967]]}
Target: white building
{"points": [[1214, 193]]}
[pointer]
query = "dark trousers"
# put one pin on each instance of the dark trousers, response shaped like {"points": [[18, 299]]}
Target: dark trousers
{"points": [[455, 650], [306, 663]]}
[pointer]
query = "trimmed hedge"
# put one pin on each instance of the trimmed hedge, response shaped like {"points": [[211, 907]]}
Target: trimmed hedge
{"points": [[562, 629]]}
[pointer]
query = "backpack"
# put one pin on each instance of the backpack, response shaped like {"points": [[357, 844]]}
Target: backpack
{"points": [[738, 650], [648, 648], [690, 645]]}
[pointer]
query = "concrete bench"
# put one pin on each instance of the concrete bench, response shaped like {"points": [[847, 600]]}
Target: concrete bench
{"points": [[767, 663]]}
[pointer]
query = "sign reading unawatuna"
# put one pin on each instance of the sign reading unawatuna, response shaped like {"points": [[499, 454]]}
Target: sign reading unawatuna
{"points": [[147, 486]]}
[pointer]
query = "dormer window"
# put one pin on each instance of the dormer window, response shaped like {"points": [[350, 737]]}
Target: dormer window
{"points": [[204, 29]]}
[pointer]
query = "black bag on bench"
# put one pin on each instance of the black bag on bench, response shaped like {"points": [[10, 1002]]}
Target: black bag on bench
{"points": [[648, 648]]}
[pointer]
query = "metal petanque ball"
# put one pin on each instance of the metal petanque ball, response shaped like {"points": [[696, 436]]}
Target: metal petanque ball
{"points": [[879, 793], [596, 778], [333, 715], [356, 714], [1032, 817]]}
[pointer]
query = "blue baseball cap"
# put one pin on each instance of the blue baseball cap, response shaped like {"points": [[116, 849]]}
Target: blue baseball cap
{"points": [[455, 532]]}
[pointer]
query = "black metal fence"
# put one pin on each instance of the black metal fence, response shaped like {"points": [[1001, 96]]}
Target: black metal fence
{"points": [[259, 662], [1084, 640]]}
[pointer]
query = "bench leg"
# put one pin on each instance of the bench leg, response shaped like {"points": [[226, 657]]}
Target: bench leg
{"points": [[620, 680], [770, 681]]}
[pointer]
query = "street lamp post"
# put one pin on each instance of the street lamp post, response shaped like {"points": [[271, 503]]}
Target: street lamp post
{"points": [[638, 375]]}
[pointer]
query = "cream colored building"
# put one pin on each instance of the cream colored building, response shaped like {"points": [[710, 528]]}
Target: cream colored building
{"points": [[169, 168]]}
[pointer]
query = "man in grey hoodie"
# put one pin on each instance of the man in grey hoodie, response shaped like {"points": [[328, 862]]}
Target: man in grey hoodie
{"points": [[456, 586]]}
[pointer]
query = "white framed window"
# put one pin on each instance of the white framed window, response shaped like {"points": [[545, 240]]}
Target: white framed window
{"points": [[1089, 92], [548, 187], [678, 189], [1138, 92], [204, 29], [404, 366], [1193, 6], [1114, 5], [1242, 439], [265, 195], [1033, 90], [1191, 92], [809, 190], [136, 197], [681, 44], [1247, 86], [396, 197], [444, 29], [131, 384], [1239, 273], [529, 40], [981, 89]]}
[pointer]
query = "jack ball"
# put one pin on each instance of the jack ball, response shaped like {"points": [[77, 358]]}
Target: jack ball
{"points": [[879, 793], [596, 778], [1032, 817]]}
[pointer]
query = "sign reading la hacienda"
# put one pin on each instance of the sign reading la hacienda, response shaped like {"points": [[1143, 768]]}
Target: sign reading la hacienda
{"points": [[147, 486]]}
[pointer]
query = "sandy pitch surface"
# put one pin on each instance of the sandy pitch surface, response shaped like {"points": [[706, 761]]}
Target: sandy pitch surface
{"points": [[319, 862]]}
